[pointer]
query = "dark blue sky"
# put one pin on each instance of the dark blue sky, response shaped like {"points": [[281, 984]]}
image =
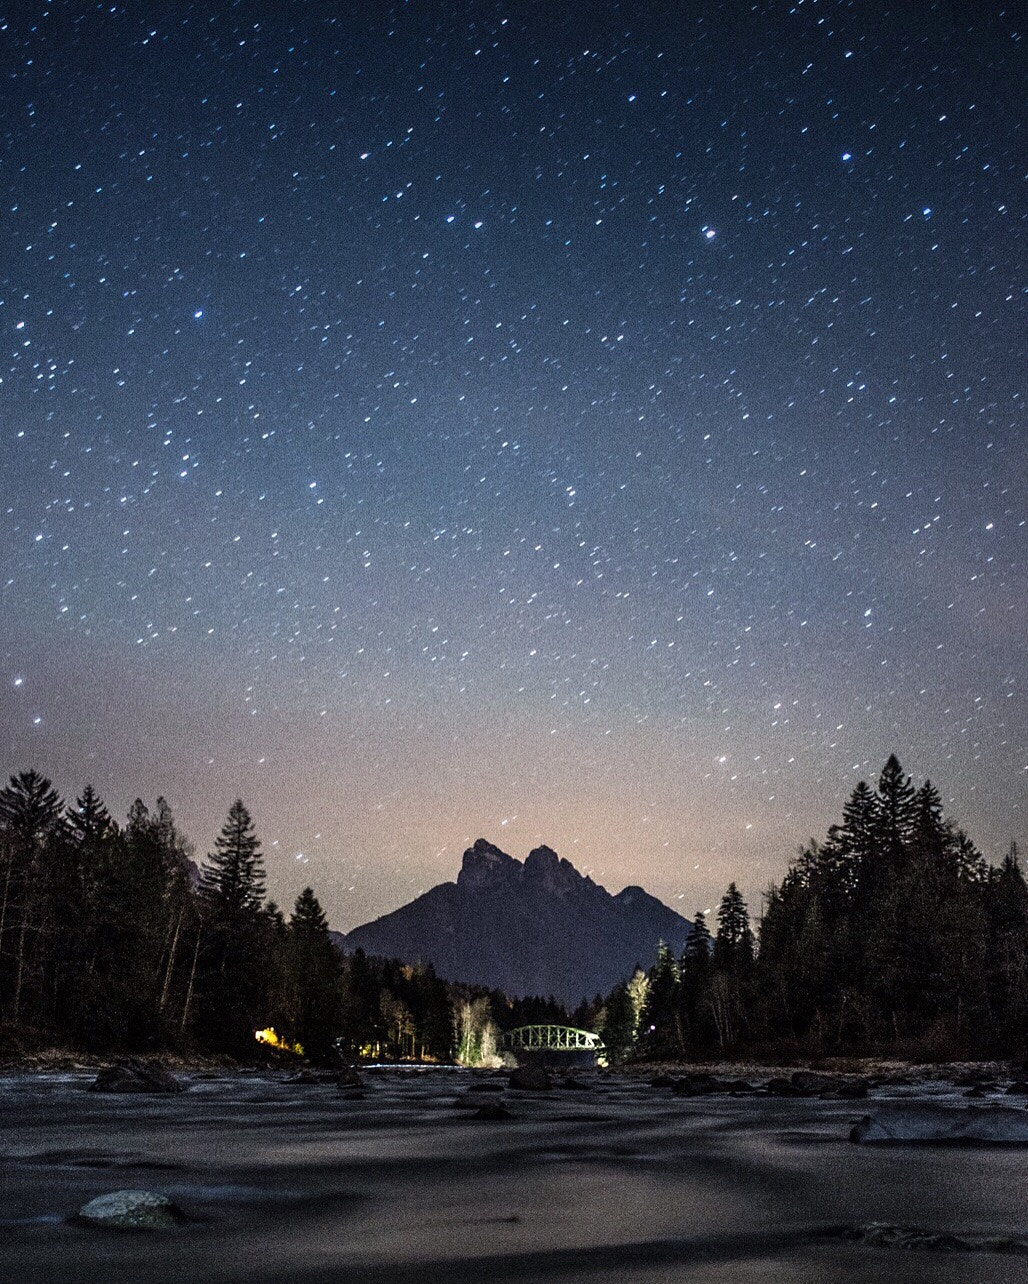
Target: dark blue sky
{"points": [[551, 422]]}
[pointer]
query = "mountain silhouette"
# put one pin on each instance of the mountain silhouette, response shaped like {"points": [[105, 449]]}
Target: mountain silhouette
{"points": [[538, 927]]}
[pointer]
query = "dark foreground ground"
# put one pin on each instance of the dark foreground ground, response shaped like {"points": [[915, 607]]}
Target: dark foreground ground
{"points": [[291, 1183]]}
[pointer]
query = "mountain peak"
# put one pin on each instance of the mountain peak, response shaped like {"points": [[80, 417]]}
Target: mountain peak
{"points": [[486, 865], [544, 867], [541, 927]]}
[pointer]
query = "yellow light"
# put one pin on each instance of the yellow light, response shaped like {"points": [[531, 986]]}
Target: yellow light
{"points": [[269, 1036]]}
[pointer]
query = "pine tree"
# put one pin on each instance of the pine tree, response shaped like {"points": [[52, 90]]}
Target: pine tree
{"points": [[727, 993], [31, 819], [734, 945], [1006, 898], [309, 921], [312, 999], [232, 879], [694, 976], [858, 818], [699, 944], [894, 810], [233, 995], [618, 1025], [660, 1021], [88, 820]]}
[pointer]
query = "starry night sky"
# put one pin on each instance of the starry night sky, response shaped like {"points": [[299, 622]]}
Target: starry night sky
{"points": [[593, 424]]}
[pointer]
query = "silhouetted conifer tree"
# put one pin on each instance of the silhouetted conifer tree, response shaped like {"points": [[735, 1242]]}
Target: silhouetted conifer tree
{"points": [[235, 981], [660, 1025], [619, 1025]]}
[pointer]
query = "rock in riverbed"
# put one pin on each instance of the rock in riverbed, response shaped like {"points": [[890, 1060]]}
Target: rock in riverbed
{"points": [[884, 1235], [845, 1090], [940, 1125], [134, 1076], [131, 1210], [695, 1085], [494, 1111], [531, 1079]]}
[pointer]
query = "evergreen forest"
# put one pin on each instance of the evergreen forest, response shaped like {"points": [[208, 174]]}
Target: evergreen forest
{"points": [[114, 941], [892, 936]]}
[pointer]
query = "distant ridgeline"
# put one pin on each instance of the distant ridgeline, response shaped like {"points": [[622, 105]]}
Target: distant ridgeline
{"points": [[539, 927], [893, 935]]}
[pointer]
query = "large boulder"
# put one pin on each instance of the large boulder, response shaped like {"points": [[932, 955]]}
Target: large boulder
{"points": [[531, 1078], [131, 1210], [886, 1235], [134, 1076], [940, 1125]]}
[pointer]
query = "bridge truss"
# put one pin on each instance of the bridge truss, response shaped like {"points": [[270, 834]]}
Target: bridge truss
{"points": [[551, 1038]]}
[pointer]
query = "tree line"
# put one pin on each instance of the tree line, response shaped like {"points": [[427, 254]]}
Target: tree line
{"points": [[112, 939], [893, 935]]}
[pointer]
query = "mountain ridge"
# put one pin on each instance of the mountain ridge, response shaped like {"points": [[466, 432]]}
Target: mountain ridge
{"points": [[534, 927]]}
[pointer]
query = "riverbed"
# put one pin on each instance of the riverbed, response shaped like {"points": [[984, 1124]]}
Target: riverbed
{"points": [[291, 1183]]}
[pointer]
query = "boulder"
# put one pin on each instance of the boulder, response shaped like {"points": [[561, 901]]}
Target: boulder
{"points": [[973, 1079], [306, 1077], [846, 1090], [468, 1101], [738, 1088], [942, 1125], [663, 1081], [530, 1078], [695, 1085], [131, 1210], [885, 1235], [350, 1079], [786, 1088], [133, 1076], [806, 1081], [492, 1110]]}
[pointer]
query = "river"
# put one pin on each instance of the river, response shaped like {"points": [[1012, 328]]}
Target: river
{"points": [[295, 1184]]}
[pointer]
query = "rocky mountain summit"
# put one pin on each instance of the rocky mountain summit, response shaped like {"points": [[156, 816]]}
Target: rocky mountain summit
{"points": [[532, 927]]}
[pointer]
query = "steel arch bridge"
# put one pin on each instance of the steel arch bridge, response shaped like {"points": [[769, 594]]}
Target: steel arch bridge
{"points": [[551, 1038]]}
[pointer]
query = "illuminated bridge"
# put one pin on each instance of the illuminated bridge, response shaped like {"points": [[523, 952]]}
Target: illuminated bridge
{"points": [[551, 1038]]}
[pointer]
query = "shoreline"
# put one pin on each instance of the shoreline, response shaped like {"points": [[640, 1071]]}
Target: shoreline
{"points": [[59, 1060]]}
